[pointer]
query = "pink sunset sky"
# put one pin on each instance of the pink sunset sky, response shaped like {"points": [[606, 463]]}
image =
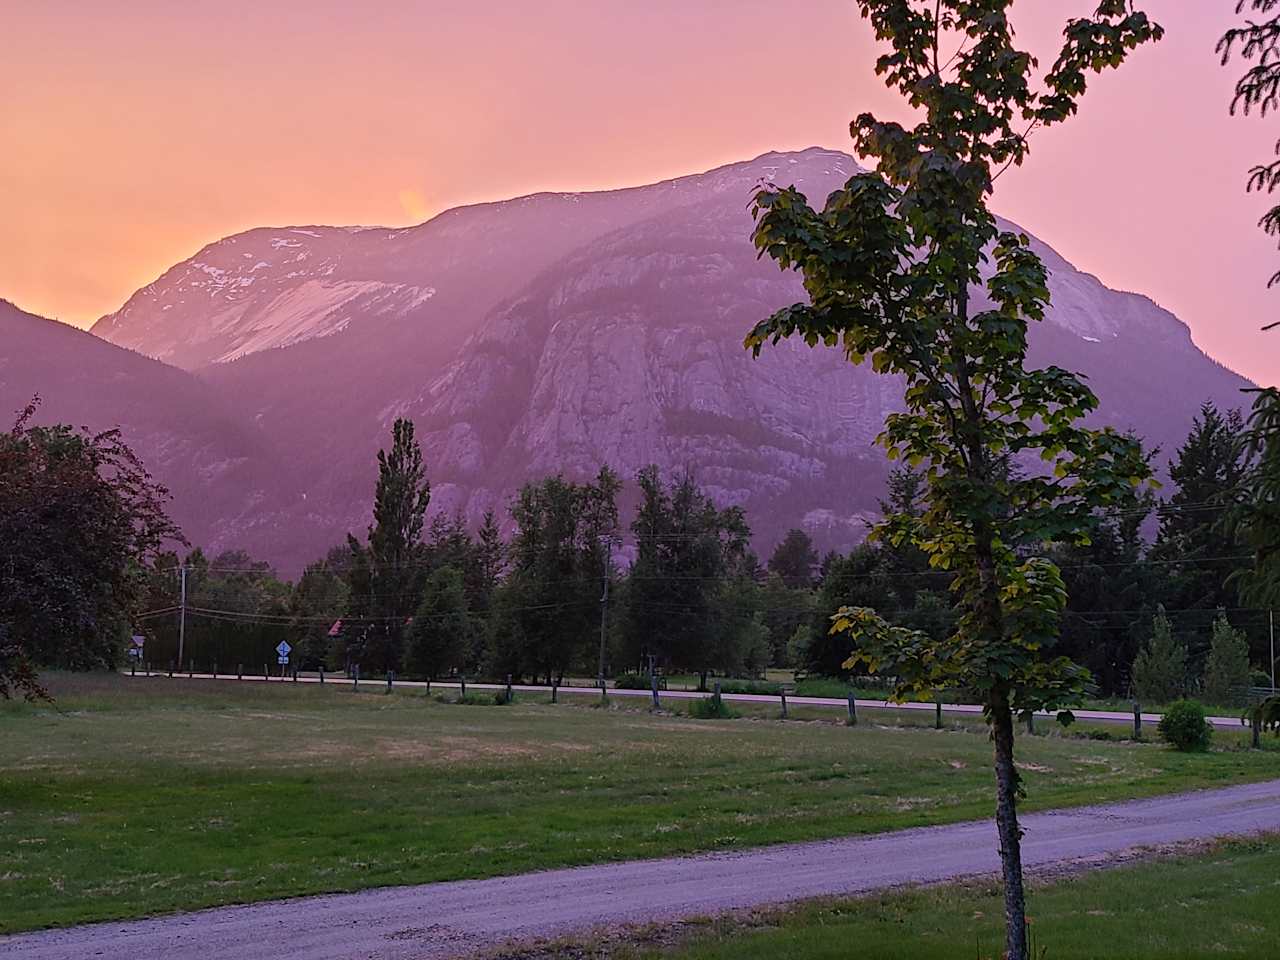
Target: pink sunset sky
{"points": [[135, 132]]}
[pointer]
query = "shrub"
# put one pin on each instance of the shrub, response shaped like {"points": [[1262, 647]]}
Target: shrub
{"points": [[498, 699], [1184, 727], [711, 708], [767, 687], [1160, 669], [632, 681], [1226, 671]]}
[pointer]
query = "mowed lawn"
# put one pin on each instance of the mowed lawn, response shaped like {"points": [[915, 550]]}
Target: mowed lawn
{"points": [[137, 796], [1218, 903]]}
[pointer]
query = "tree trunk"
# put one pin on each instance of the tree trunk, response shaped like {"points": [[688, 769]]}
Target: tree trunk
{"points": [[1015, 901]]}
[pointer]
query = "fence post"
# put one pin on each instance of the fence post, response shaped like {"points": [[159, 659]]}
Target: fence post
{"points": [[937, 714], [239, 671], [322, 674], [1256, 741], [266, 672], [653, 689], [171, 669], [509, 693], [295, 673], [391, 679], [133, 668], [462, 686], [853, 710], [784, 704], [555, 688], [355, 678], [604, 691], [215, 669], [148, 668], [1137, 721]]}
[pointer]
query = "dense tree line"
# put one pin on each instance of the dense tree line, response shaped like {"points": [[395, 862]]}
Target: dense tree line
{"points": [[1159, 577], [1175, 582]]}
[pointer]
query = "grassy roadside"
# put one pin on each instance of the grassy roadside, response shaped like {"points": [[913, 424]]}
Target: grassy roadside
{"points": [[141, 796], [1214, 903]]}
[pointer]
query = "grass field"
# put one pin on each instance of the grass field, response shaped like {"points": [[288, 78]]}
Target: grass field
{"points": [[1218, 903], [139, 796]]}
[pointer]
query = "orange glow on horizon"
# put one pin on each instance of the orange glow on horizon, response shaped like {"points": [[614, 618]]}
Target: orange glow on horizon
{"points": [[135, 134]]}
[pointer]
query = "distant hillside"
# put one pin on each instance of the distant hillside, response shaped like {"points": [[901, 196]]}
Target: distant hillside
{"points": [[562, 331], [222, 472]]}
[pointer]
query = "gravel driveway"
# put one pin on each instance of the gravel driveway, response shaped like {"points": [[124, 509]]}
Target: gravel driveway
{"points": [[453, 919]]}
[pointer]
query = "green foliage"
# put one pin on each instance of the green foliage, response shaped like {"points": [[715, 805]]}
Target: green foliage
{"points": [[1107, 580], [632, 681], [794, 560], [798, 644], [890, 265], [317, 601], [1226, 672], [765, 687], [1258, 41], [687, 601], [385, 576], [1265, 714], [547, 613], [712, 708], [1257, 517], [442, 631], [1160, 669], [1194, 545], [80, 518], [1184, 727]]}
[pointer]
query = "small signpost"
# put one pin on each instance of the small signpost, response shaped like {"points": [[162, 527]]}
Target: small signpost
{"points": [[135, 652], [282, 655]]}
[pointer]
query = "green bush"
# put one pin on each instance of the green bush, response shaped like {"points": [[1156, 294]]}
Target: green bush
{"points": [[766, 687], [1184, 727], [632, 681], [711, 708], [498, 699]]}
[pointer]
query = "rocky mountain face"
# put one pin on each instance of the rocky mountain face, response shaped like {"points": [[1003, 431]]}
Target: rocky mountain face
{"points": [[558, 332]]}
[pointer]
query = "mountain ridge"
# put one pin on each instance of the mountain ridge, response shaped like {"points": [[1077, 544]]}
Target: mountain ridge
{"points": [[565, 331]]}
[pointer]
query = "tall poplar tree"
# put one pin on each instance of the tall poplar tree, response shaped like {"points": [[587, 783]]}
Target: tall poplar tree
{"points": [[387, 575], [906, 268]]}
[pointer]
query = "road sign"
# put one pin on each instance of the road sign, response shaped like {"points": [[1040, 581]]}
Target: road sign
{"points": [[135, 650], [283, 648]]}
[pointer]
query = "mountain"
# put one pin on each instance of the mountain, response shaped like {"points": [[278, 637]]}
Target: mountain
{"points": [[562, 331], [220, 470]]}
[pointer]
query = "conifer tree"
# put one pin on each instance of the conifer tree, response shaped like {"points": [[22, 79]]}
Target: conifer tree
{"points": [[1226, 670], [1160, 669]]}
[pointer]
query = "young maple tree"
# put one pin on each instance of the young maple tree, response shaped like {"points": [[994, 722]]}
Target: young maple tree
{"points": [[907, 268]]}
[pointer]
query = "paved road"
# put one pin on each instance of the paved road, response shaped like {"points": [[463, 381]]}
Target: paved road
{"points": [[1149, 720], [454, 919]]}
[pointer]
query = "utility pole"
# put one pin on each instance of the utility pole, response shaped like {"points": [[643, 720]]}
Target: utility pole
{"points": [[604, 607], [182, 615]]}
